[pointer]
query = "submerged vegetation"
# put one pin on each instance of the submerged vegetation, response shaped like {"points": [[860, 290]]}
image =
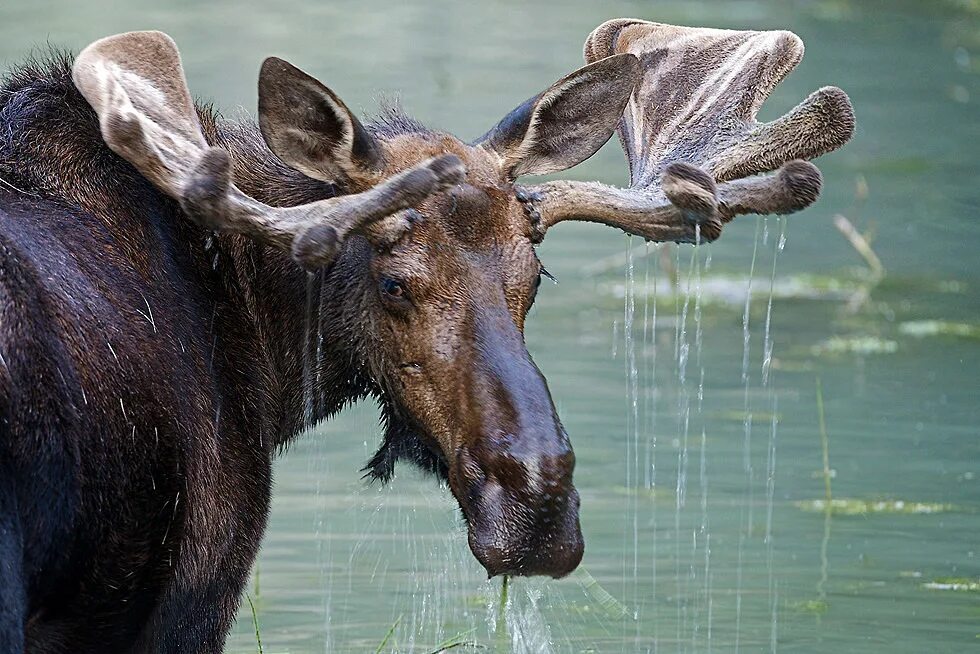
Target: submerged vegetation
{"points": [[959, 584], [850, 506], [925, 328], [854, 345]]}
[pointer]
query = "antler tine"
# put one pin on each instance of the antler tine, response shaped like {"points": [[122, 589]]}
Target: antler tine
{"points": [[313, 232], [135, 83], [696, 106]]}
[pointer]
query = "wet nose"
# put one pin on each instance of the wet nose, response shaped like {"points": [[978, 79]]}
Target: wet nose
{"points": [[523, 514]]}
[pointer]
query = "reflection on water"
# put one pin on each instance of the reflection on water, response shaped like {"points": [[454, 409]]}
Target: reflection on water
{"points": [[686, 379]]}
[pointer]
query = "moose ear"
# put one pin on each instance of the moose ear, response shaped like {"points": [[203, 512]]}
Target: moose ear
{"points": [[307, 126], [566, 124]]}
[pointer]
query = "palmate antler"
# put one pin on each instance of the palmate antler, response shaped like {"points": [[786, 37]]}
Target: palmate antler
{"points": [[136, 85], [691, 137]]}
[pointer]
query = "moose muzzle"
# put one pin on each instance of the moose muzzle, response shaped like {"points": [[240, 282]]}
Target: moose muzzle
{"points": [[512, 474]]}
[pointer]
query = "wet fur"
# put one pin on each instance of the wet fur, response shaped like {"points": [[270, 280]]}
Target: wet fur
{"points": [[150, 372]]}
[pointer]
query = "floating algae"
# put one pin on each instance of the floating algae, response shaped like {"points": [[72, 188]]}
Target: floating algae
{"points": [[855, 345], [960, 584], [847, 506], [924, 328]]}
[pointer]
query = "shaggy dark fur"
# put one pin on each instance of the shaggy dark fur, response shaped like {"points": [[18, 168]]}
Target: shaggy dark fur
{"points": [[149, 372]]}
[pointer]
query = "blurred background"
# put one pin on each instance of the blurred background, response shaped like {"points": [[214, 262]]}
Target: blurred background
{"points": [[777, 435]]}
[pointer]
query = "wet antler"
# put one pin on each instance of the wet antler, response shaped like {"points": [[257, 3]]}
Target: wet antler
{"points": [[691, 137], [136, 85]]}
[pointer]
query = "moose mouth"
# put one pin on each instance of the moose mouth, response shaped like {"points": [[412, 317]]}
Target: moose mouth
{"points": [[522, 516]]}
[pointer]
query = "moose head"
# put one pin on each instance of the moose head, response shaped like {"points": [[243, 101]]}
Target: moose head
{"points": [[435, 242]]}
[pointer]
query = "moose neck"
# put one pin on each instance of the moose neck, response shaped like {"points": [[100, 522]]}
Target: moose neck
{"points": [[303, 322], [283, 349]]}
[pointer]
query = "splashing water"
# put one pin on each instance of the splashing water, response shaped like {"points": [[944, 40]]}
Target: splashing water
{"points": [[527, 631]]}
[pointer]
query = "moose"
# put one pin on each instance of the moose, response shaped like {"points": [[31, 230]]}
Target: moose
{"points": [[180, 295]]}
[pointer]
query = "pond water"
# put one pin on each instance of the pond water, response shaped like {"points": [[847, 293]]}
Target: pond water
{"points": [[695, 415]]}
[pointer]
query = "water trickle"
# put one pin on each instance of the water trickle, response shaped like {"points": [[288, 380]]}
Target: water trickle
{"points": [[771, 458], [767, 348], [633, 435], [650, 410], [747, 434], [632, 411], [698, 329], [683, 349], [311, 325]]}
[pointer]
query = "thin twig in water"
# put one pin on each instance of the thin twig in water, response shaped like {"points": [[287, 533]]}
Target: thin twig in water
{"points": [[861, 245]]}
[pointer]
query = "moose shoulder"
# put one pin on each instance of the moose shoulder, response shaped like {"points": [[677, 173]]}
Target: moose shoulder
{"points": [[181, 295]]}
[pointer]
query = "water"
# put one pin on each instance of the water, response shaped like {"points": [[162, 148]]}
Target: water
{"points": [[689, 474]]}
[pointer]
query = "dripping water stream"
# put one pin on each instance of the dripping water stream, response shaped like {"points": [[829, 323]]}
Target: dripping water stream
{"points": [[650, 411], [632, 433], [771, 457], [747, 438]]}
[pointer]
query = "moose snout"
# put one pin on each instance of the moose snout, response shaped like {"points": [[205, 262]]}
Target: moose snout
{"points": [[522, 511]]}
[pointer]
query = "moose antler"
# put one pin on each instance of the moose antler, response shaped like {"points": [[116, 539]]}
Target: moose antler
{"points": [[691, 136], [136, 85]]}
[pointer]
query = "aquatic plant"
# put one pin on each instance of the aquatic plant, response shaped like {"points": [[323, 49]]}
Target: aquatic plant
{"points": [[924, 328], [960, 584], [255, 622], [863, 344], [851, 506]]}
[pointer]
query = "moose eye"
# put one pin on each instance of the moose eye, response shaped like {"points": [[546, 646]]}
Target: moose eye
{"points": [[393, 289]]}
